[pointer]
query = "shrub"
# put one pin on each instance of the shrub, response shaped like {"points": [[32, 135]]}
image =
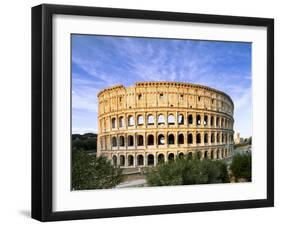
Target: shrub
{"points": [[241, 166]]}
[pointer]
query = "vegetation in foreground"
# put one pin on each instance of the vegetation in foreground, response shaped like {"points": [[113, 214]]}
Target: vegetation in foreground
{"points": [[91, 172], [241, 167], [188, 171]]}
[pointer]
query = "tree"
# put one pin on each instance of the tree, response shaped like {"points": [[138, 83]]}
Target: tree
{"points": [[241, 166], [91, 172], [185, 171]]}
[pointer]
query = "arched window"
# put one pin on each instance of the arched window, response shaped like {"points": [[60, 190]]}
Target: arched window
{"points": [[189, 155], [131, 120], [130, 140], [150, 119], [190, 120], [218, 137], [218, 154], [205, 154], [114, 160], [205, 120], [122, 160], [140, 120], [171, 119], [121, 121], [180, 119], [206, 138], [198, 120], [121, 141], [140, 160], [130, 160], [212, 138], [140, 140], [181, 155], [222, 123], [198, 138], [113, 123], [171, 157], [181, 139], [171, 139], [150, 160], [218, 122], [190, 138], [150, 140], [223, 138], [161, 119], [114, 142], [161, 139], [212, 120], [212, 154], [160, 159]]}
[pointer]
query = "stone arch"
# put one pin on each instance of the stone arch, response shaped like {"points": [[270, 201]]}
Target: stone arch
{"points": [[225, 153], [180, 119], [131, 121], [130, 160], [114, 142], [150, 160], [212, 154], [190, 119], [130, 140], [121, 121], [180, 139], [206, 138], [113, 123], [190, 138], [171, 139], [222, 153], [122, 160], [150, 139], [212, 137], [212, 120], [218, 137], [205, 122], [160, 158], [161, 139], [161, 119], [205, 154], [218, 154], [181, 155], [114, 160], [198, 138], [150, 120], [171, 119], [140, 140], [121, 141], [189, 155], [198, 120], [171, 157], [140, 160], [198, 154], [218, 121], [140, 120]]}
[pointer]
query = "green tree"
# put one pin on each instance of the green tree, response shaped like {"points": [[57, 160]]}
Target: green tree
{"points": [[185, 171], [241, 166], [91, 172]]}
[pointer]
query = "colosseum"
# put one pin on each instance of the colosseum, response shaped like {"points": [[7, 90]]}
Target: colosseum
{"points": [[154, 122]]}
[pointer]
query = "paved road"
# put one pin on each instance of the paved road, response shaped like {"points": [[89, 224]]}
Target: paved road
{"points": [[133, 183]]}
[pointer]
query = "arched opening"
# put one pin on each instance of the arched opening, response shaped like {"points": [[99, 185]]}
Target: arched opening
{"points": [[223, 138], [198, 120], [114, 160], [225, 153], [212, 138], [212, 120], [140, 120], [150, 140], [206, 138], [218, 122], [114, 142], [190, 120], [198, 138], [212, 154], [181, 139], [113, 123], [140, 140], [218, 137], [205, 120], [218, 154], [121, 121], [122, 160], [161, 119], [121, 141], [222, 123], [130, 140], [190, 138], [205, 154], [189, 155], [130, 160], [140, 160], [181, 155], [180, 119], [150, 120], [150, 160], [222, 153], [171, 139], [171, 157], [131, 120], [160, 158], [161, 139], [198, 155], [171, 119]]}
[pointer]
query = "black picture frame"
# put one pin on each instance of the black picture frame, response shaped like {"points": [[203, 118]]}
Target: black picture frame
{"points": [[42, 111]]}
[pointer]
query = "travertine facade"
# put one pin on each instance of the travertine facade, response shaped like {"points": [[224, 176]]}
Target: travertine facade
{"points": [[152, 122]]}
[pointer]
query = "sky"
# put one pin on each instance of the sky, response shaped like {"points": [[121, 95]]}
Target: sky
{"points": [[102, 61]]}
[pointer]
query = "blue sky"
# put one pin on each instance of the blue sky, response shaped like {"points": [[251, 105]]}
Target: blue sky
{"points": [[102, 61]]}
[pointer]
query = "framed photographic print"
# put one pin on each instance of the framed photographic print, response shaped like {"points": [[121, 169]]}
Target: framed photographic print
{"points": [[145, 112]]}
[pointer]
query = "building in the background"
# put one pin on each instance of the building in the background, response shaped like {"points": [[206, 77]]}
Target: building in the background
{"points": [[153, 122]]}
